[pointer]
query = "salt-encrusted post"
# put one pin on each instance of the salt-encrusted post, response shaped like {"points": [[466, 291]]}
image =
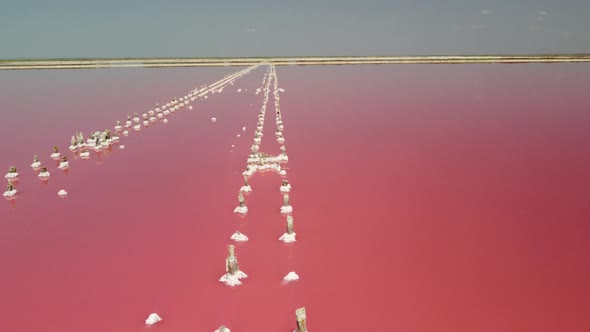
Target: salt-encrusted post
{"points": [[289, 225], [301, 326], [231, 262]]}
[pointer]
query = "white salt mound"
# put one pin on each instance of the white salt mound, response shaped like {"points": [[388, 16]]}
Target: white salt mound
{"points": [[213, 119], [9, 193], [237, 236], [241, 209], [122, 147], [291, 276], [62, 193], [288, 238], [152, 319], [233, 279]]}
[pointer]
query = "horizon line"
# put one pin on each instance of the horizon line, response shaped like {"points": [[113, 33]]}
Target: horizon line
{"points": [[94, 63]]}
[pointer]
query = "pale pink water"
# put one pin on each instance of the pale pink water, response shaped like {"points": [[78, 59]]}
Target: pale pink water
{"points": [[452, 198]]}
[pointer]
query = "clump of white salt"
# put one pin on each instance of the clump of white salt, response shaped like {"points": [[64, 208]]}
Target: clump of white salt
{"points": [[233, 279], [291, 276], [62, 193], [152, 319], [239, 237]]}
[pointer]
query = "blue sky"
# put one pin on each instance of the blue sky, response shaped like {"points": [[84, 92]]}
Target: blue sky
{"points": [[150, 28]]}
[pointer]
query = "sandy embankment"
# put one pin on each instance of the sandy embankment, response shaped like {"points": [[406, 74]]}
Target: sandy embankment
{"points": [[198, 62]]}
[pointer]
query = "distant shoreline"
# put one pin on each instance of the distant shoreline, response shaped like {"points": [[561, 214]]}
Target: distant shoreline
{"points": [[280, 61]]}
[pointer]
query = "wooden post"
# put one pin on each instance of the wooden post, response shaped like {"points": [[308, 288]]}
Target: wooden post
{"points": [[301, 325], [289, 225], [231, 262], [241, 198], [286, 200]]}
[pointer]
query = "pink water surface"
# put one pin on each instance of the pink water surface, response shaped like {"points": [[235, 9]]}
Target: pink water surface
{"points": [[426, 198]]}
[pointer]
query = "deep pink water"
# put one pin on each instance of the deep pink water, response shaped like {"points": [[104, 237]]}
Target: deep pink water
{"points": [[426, 198]]}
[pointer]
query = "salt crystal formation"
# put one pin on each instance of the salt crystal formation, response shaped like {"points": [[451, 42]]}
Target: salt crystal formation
{"points": [[62, 193], [291, 276], [239, 237], [152, 319]]}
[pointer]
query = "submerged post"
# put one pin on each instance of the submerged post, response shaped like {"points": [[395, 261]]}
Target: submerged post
{"points": [[301, 326], [286, 200]]}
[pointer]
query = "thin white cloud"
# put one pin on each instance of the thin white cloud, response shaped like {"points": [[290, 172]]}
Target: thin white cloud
{"points": [[470, 27], [251, 30], [541, 15], [487, 12]]}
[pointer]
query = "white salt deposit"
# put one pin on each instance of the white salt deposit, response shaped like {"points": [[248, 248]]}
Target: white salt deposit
{"points": [[233, 279], [62, 193], [122, 147], [246, 189], [241, 209], [8, 194], [288, 238], [213, 119], [237, 236], [286, 209], [152, 319], [291, 276], [11, 176]]}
